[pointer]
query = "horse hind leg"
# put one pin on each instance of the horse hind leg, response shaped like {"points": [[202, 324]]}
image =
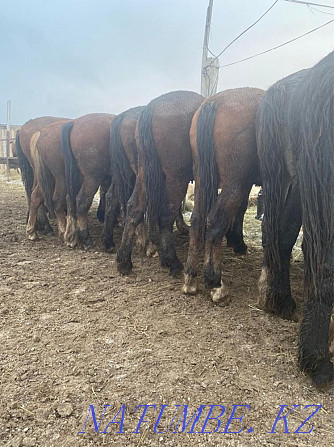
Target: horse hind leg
{"points": [[111, 202], [35, 202], [84, 201], [136, 208], [274, 284], [190, 286], [59, 205], [234, 236], [180, 223], [219, 220]]}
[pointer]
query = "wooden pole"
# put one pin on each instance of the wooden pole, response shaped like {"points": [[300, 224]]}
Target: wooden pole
{"points": [[8, 140]]}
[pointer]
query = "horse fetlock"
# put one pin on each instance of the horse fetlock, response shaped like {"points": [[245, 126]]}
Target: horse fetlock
{"points": [[176, 267], [220, 295], [321, 371]]}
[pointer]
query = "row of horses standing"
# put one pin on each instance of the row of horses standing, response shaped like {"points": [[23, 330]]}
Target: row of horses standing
{"points": [[143, 160]]}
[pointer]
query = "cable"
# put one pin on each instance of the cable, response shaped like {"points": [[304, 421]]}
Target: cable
{"points": [[251, 26], [309, 3], [319, 10], [278, 46]]}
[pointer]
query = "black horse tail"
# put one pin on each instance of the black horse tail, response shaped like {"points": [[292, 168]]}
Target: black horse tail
{"points": [[72, 173], [120, 169], [27, 173], [315, 169], [207, 166], [271, 157], [155, 180], [43, 175]]}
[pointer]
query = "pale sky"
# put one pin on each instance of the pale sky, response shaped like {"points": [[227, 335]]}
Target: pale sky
{"points": [[72, 57]]}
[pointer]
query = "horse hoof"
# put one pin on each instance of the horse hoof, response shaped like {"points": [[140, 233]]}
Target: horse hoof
{"points": [[151, 251], [322, 376], [33, 237], [220, 295], [124, 268], [176, 268], [190, 285], [240, 249]]}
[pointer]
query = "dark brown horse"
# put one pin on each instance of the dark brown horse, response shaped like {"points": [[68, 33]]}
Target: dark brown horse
{"points": [[22, 144], [223, 145], [295, 132], [164, 171], [85, 148]]}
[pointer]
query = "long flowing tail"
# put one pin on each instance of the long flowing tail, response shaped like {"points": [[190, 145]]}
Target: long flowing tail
{"points": [[155, 181], [43, 174], [27, 173], [271, 151], [121, 172], [72, 173], [207, 167], [315, 137]]}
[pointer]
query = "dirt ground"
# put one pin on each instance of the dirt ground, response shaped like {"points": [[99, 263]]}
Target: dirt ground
{"points": [[74, 333]]}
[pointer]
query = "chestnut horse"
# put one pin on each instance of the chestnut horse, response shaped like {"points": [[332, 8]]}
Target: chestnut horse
{"points": [[123, 171], [295, 132], [49, 172], [85, 148], [223, 146], [22, 144], [164, 172]]}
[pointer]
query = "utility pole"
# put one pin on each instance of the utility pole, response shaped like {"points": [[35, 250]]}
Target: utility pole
{"points": [[210, 65], [8, 140]]}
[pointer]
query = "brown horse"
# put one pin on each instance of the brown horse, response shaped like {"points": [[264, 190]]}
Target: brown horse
{"points": [[223, 145], [123, 168], [22, 144], [295, 133], [85, 148], [164, 171], [49, 172]]}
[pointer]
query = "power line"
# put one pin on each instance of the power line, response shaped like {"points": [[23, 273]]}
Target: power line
{"points": [[251, 26], [278, 46], [319, 10], [309, 3]]}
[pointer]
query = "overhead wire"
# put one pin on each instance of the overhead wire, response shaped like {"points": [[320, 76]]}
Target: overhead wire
{"points": [[251, 26], [278, 46]]}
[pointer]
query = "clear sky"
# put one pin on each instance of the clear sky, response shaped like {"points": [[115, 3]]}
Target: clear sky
{"points": [[72, 57]]}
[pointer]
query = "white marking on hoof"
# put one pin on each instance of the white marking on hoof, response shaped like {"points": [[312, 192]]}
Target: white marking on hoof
{"points": [[220, 295], [33, 237], [190, 285]]}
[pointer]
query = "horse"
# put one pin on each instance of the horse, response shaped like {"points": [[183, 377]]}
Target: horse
{"points": [[164, 172], [49, 172], [22, 144], [85, 146], [123, 171], [223, 144], [123, 168], [295, 134]]}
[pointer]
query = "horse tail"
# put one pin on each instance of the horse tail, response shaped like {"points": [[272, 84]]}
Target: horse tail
{"points": [[43, 174], [271, 157], [72, 173], [315, 169], [207, 166], [155, 180], [120, 170], [27, 173]]}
